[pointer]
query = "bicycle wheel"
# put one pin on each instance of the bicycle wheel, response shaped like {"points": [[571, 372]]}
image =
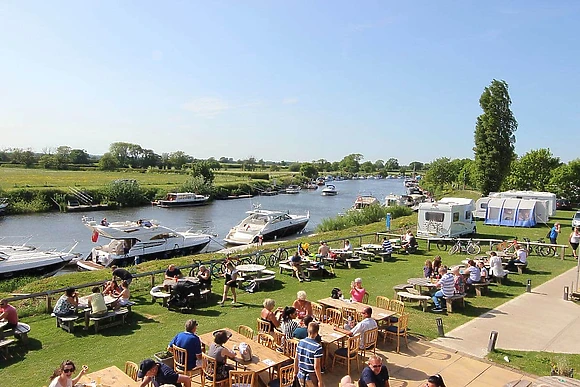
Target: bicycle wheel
{"points": [[217, 269], [442, 246], [282, 254], [546, 251], [455, 249], [195, 268], [273, 260], [261, 259], [473, 249]]}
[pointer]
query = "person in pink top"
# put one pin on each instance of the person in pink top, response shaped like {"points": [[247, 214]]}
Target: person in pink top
{"points": [[8, 316], [357, 292]]}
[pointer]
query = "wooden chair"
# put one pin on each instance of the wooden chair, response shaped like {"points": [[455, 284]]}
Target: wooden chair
{"points": [[382, 302], [398, 307], [242, 378], [317, 312], [246, 331], [369, 339], [285, 377], [399, 330], [209, 372], [365, 299], [266, 340], [348, 312], [334, 317], [348, 353], [131, 369], [180, 362], [279, 340], [290, 348], [263, 326]]}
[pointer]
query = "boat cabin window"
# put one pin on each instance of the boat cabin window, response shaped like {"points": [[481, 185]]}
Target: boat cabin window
{"points": [[281, 218], [435, 216], [456, 216], [163, 236]]}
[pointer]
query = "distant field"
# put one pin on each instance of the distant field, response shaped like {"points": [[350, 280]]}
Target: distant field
{"points": [[12, 178]]}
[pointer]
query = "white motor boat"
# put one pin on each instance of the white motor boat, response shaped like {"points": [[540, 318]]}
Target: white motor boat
{"points": [[363, 201], [135, 242], [267, 224], [293, 189], [398, 200], [329, 190], [182, 199], [3, 205], [21, 259]]}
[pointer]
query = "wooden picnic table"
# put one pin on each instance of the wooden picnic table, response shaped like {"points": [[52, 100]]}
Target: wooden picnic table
{"points": [[169, 283], [84, 307], [263, 358], [109, 377], [379, 314], [420, 283], [329, 336]]}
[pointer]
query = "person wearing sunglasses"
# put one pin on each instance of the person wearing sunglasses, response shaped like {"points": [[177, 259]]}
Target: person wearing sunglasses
{"points": [[62, 376], [375, 374]]}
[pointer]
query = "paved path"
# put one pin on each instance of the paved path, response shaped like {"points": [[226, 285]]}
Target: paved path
{"points": [[536, 321]]}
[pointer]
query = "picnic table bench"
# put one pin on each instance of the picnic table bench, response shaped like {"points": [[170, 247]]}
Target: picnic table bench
{"points": [[110, 319], [20, 332], [4, 345], [481, 288], [66, 322], [460, 298], [412, 296]]}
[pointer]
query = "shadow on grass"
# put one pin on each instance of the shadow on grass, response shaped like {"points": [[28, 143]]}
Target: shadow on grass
{"points": [[18, 352]]}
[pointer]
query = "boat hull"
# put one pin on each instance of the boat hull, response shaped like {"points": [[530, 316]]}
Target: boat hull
{"points": [[174, 204], [268, 235], [38, 268]]}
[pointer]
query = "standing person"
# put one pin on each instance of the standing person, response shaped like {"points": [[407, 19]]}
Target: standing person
{"points": [[62, 376], [67, 303], [435, 381], [302, 305], [375, 374], [8, 316], [189, 341], [495, 266], [447, 288], [357, 292], [162, 374], [575, 241], [172, 272], [231, 275], [308, 360], [122, 274], [554, 233]]}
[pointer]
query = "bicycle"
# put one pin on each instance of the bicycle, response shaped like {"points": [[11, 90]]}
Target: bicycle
{"points": [[543, 251], [442, 245], [281, 254], [505, 246], [470, 247]]}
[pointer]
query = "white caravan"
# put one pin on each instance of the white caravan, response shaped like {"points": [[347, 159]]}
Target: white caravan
{"points": [[449, 217]]}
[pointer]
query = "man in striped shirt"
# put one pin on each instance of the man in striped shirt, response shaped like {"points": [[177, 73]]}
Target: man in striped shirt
{"points": [[447, 285], [387, 246], [308, 361]]}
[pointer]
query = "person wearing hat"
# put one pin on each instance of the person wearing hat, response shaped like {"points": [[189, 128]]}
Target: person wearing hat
{"points": [[162, 374], [189, 341], [221, 354]]}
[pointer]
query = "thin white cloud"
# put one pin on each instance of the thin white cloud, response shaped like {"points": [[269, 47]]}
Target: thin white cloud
{"points": [[290, 101], [207, 107]]}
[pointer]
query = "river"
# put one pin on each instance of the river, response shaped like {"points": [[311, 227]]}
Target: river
{"points": [[62, 230]]}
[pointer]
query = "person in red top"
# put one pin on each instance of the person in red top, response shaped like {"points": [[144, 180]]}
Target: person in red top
{"points": [[8, 315]]}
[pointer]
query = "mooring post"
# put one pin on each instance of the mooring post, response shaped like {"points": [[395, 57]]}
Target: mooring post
{"points": [[440, 331], [529, 286], [492, 341]]}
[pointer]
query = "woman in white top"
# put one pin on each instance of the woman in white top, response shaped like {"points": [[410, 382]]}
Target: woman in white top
{"points": [[495, 266], [62, 376], [575, 240]]}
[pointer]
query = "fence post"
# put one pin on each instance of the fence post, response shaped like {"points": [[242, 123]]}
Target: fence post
{"points": [[152, 280], [48, 303]]}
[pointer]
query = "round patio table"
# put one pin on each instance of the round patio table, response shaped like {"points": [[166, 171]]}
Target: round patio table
{"points": [[250, 268]]}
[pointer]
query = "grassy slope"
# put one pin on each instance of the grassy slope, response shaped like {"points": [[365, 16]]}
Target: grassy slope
{"points": [[153, 326]]}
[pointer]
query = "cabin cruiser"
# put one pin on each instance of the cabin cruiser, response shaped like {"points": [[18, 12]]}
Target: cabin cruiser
{"points": [[330, 190], [21, 259], [363, 201], [312, 185], [398, 200], [135, 242], [182, 199], [293, 189], [266, 224]]}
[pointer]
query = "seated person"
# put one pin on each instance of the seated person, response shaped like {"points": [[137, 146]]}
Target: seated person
{"points": [[366, 324], [67, 303], [428, 269], [104, 222], [302, 305], [410, 246], [458, 280], [123, 296], [472, 273], [387, 246], [97, 303], [323, 250], [520, 257], [189, 341], [347, 245], [221, 354], [357, 292], [172, 272], [483, 271], [8, 316], [296, 263], [162, 374], [303, 249], [436, 265], [375, 374], [268, 315], [302, 331], [112, 287], [204, 276], [446, 287]]}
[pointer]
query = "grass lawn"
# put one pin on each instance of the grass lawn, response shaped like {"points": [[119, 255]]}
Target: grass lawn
{"points": [[152, 326], [537, 363]]}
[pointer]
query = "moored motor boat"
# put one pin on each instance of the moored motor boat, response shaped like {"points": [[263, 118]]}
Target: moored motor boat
{"points": [[329, 190], [182, 199], [266, 224], [135, 242], [27, 260], [363, 201], [293, 189]]}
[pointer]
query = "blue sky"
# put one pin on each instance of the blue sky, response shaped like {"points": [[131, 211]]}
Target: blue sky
{"points": [[293, 80]]}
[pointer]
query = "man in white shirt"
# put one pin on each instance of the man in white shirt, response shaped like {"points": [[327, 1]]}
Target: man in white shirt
{"points": [[366, 324], [521, 257]]}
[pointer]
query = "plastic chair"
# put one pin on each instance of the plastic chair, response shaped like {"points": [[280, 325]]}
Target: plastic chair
{"points": [[180, 362], [348, 353], [399, 330], [242, 378], [317, 312], [369, 339], [263, 326], [209, 372], [285, 377], [131, 369], [334, 317], [246, 331]]}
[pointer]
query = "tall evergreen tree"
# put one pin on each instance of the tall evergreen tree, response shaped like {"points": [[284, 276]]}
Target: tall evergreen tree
{"points": [[494, 137]]}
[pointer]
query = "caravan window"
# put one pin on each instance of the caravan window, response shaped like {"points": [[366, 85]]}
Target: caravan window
{"points": [[456, 216], [435, 216], [467, 215]]}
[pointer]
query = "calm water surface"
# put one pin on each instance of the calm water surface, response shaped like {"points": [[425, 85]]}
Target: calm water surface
{"points": [[61, 230]]}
